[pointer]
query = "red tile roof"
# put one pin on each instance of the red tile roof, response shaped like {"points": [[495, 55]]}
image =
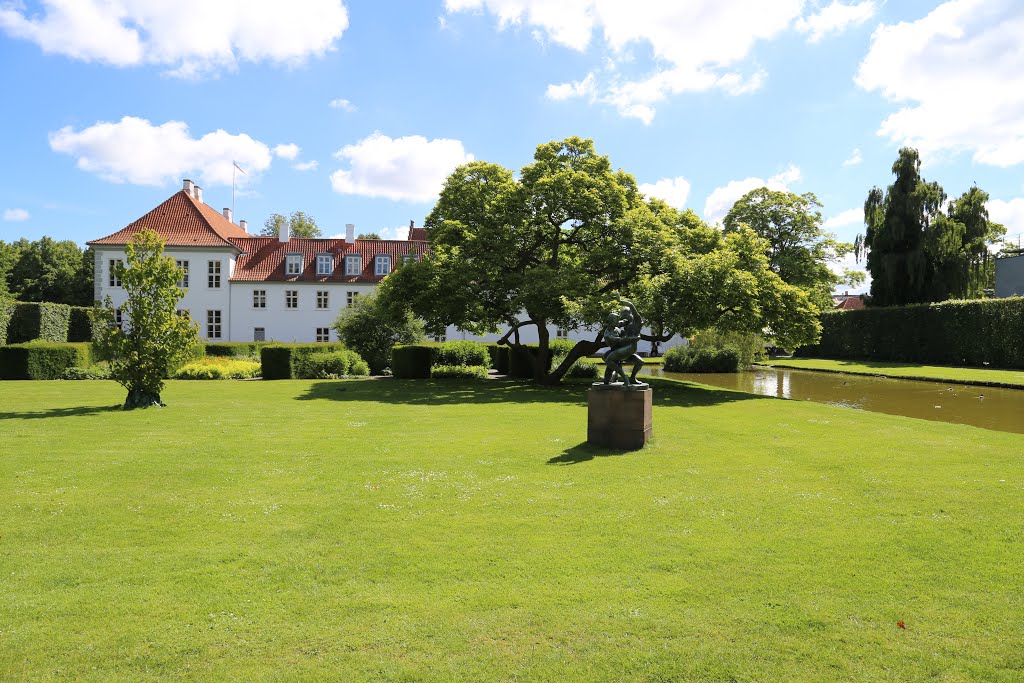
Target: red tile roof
{"points": [[182, 221], [850, 303], [418, 234], [263, 258]]}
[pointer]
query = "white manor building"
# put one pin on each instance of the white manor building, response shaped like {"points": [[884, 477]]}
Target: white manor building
{"points": [[242, 287]]}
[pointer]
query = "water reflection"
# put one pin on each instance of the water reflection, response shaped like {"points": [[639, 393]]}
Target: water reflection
{"points": [[988, 407]]}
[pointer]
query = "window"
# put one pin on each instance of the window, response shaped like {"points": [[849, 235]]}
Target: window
{"points": [[118, 319], [324, 264], [291, 298], [259, 334], [321, 299], [183, 282], [293, 264], [408, 258], [213, 274], [115, 281], [213, 324], [353, 264], [382, 265], [323, 334], [350, 297], [440, 337], [259, 298], [561, 333]]}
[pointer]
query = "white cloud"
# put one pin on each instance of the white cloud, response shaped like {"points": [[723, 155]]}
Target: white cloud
{"points": [[564, 91], [848, 217], [855, 158], [1009, 213], [835, 19], [135, 151], [343, 104], [306, 165], [410, 168], [15, 215], [958, 75], [289, 151], [673, 190], [849, 262], [722, 198], [189, 37], [695, 46]]}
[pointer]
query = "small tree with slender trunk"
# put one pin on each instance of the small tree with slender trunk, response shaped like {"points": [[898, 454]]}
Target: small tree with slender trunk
{"points": [[153, 338]]}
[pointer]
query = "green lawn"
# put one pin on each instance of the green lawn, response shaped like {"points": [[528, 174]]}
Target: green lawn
{"points": [[928, 373], [432, 530]]}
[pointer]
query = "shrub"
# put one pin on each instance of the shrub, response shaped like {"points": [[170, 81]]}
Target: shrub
{"points": [[582, 369], [686, 359], [372, 328], [359, 369], [520, 360], [460, 353], [94, 372], [749, 345], [411, 361], [41, 360], [459, 371], [32, 321], [289, 361], [233, 349], [80, 324], [219, 368], [6, 311]]}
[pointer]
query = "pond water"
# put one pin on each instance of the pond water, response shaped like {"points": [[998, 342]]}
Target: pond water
{"points": [[987, 407]]}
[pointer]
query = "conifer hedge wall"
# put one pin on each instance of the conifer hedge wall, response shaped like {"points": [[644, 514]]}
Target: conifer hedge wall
{"points": [[973, 333]]}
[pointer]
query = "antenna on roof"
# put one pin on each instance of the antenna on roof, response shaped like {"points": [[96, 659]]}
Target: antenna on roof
{"points": [[234, 165]]}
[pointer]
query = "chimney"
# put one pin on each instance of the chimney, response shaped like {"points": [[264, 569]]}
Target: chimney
{"points": [[350, 232], [412, 224], [197, 192], [244, 225], [284, 232], [187, 186], [227, 214]]}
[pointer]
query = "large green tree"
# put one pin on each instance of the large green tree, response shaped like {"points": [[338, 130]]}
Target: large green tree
{"points": [[561, 241], [154, 338], [799, 250], [370, 329], [48, 270], [915, 252], [300, 223]]}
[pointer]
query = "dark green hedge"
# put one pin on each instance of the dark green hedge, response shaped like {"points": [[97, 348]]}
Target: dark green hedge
{"points": [[972, 333], [80, 325], [41, 360], [45, 321], [412, 361], [459, 353], [6, 311], [520, 359], [279, 361], [236, 349], [686, 359]]}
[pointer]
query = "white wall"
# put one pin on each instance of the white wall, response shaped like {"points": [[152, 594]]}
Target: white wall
{"points": [[288, 324]]}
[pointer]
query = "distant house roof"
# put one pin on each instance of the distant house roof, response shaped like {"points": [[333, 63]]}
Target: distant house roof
{"points": [[263, 258], [182, 221], [849, 303]]}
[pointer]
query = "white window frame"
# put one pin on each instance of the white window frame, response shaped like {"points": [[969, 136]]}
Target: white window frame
{"points": [[291, 299], [323, 334], [293, 264], [119, 318], [353, 264], [213, 274], [324, 264], [561, 333], [350, 297], [213, 324], [382, 264], [183, 264], [114, 280], [409, 258], [259, 334], [259, 298], [323, 297]]}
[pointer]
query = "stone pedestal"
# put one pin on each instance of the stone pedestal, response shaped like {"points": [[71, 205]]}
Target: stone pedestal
{"points": [[619, 417]]}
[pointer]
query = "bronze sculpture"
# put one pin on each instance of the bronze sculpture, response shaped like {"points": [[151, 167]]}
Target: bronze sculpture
{"points": [[622, 332]]}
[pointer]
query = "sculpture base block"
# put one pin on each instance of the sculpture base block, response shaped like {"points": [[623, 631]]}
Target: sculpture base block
{"points": [[618, 418]]}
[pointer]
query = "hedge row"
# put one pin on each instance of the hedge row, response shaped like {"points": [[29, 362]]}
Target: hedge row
{"points": [[687, 359], [415, 361], [973, 333], [291, 361], [22, 322], [42, 360]]}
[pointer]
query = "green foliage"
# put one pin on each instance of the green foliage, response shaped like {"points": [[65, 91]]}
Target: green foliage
{"points": [[372, 328], [982, 332], [367, 236], [276, 362], [92, 372], [459, 372], [6, 312], [706, 359], [916, 253], [46, 321], [154, 339], [291, 361], [234, 349], [326, 364], [411, 361], [48, 270], [80, 324], [41, 360], [749, 345], [300, 224], [460, 353], [219, 368]]}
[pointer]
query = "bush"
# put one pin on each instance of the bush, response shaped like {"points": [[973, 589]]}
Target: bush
{"points": [[94, 372], [499, 356], [686, 359], [289, 361], [460, 353], [749, 345], [41, 360], [520, 360], [219, 368], [972, 333], [582, 369], [276, 362], [411, 361], [6, 311], [32, 321], [359, 369], [372, 328], [331, 364], [80, 324], [233, 349], [459, 371]]}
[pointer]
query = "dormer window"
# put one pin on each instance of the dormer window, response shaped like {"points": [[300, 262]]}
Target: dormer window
{"points": [[293, 264], [324, 264], [353, 264], [382, 265], [408, 258]]}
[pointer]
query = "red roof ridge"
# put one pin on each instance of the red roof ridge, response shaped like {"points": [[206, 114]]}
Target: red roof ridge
{"points": [[180, 220]]}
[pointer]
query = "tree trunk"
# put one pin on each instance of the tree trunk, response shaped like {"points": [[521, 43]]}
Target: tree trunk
{"points": [[540, 361], [582, 348], [140, 398]]}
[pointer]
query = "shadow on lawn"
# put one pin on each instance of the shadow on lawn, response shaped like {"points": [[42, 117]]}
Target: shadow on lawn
{"points": [[447, 392], [584, 452], [61, 412]]}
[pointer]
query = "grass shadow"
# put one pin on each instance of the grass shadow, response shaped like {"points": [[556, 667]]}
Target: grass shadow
{"points": [[584, 452], [60, 412]]}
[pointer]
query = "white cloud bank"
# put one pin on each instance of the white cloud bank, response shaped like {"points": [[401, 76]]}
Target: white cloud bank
{"points": [[958, 74], [289, 151], [1009, 213], [674, 191], [696, 46], [135, 151], [15, 215], [845, 218], [306, 165], [835, 19], [409, 168], [722, 198], [189, 37]]}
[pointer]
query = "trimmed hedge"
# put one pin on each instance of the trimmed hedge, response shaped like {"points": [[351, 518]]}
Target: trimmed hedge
{"points": [[460, 353], [520, 360], [411, 361], [971, 333], [330, 364], [285, 361], [80, 324], [686, 359], [459, 372], [235, 349], [219, 368], [32, 321], [6, 311], [94, 372], [42, 360]]}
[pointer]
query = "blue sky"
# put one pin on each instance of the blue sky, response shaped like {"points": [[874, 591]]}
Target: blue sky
{"points": [[354, 111]]}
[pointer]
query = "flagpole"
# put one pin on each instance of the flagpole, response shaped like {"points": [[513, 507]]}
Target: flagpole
{"points": [[233, 165]]}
